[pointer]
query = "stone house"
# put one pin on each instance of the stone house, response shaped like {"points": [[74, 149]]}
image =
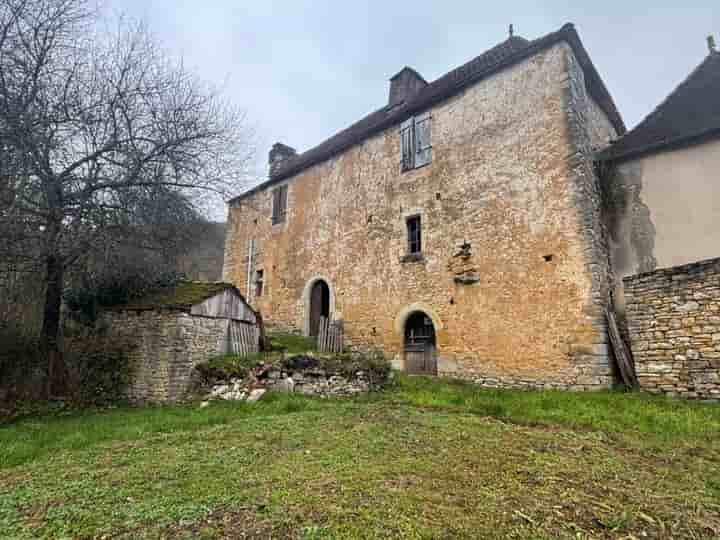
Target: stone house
{"points": [[171, 330], [663, 179], [458, 227]]}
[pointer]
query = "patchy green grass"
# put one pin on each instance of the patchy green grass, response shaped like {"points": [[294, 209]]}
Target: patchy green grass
{"points": [[429, 459], [647, 420], [291, 343]]}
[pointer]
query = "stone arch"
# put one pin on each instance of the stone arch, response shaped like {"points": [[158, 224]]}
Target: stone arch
{"points": [[418, 325], [307, 292], [408, 310]]}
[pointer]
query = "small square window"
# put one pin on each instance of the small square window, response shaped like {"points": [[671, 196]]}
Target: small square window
{"points": [[414, 235], [259, 283]]}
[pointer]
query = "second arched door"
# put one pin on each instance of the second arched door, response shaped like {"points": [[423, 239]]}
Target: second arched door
{"points": [[319, 305], [420, 345]]}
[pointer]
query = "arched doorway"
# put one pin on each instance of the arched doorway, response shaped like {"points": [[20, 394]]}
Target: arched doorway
{"points": [[420, 345], [319, 305]]}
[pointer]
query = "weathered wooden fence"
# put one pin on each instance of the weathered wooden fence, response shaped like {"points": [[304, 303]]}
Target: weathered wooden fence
{"points": [[243, 338], [330, 336]]}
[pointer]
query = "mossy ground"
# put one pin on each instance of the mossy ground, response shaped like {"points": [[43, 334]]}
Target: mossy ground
{"points": [[428, 459]]}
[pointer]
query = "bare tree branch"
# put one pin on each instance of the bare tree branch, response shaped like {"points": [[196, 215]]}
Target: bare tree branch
{"points": [[102, 136]]}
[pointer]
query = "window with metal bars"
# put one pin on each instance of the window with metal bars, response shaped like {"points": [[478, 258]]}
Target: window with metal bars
{"points": [[414, 234]]}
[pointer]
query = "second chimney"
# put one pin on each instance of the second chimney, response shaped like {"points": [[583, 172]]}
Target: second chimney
{"points": [[405, 85], [278, 155]]}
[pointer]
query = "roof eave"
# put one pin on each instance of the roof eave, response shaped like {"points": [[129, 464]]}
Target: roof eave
{"points": [[567, 33], [607, 156]]}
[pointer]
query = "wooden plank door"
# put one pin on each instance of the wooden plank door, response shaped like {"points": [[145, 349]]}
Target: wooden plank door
{"points": [[421, 359]]}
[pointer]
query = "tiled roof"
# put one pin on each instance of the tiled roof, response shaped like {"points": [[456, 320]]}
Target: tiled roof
{"points": [[502, 56], [181, 296], [690, 113]]}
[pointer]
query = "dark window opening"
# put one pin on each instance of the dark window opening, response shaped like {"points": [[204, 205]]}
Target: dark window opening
{"points": [[279, 208], [414, 235], [548, 258], [259, 282]]}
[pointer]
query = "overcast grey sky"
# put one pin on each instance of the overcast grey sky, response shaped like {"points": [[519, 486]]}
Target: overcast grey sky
{"points": [[305, 69]]}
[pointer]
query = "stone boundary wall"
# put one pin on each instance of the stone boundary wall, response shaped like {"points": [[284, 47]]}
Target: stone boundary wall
{"points": [[318, 382], [673, 320], [598, 377], [167, 347]]}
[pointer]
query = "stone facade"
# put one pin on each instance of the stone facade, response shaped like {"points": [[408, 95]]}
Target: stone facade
{"points": [[674, 323], [168, 344], [512, 176]]}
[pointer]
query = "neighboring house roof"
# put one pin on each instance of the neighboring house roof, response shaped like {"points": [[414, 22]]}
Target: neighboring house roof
{"points": [[688, 115], [500, 57], [181, 297]]}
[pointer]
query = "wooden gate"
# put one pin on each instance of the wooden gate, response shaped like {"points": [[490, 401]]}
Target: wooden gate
{"points": [[330, 336], [241, 338]]}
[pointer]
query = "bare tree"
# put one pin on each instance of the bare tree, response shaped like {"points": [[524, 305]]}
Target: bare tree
{"points": [[102, 135]]}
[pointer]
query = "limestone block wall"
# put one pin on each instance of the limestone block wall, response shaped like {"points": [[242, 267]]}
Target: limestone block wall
{"points": [[511, 175], [674, 323], [168, 345]]}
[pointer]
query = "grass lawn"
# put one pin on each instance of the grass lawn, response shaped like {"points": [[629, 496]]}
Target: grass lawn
{"points": [[429, 459]]}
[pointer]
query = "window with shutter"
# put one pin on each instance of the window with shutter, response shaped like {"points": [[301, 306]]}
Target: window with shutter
{"points": [[415, 142], [423, 148], [279, 208]]}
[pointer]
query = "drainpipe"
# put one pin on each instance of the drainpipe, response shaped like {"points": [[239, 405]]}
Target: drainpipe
{"points": [[251, 249]]}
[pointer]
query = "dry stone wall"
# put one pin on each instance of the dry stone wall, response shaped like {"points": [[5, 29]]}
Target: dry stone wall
{"points": [[168, 345], [674, 323], [312, 382], [512, 176]]}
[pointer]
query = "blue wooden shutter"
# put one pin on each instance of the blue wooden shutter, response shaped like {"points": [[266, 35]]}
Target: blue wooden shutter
{"points": [[423, 147], [407, 144]]}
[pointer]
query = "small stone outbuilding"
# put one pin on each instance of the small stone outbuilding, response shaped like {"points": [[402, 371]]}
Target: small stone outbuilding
{"points": [[171, 330]]}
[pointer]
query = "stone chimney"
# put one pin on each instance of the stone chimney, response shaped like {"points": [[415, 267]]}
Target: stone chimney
{"points": [[405, 85], [278, 155]]}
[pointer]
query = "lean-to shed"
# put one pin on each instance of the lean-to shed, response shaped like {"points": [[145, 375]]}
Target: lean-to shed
{"points": [[171, 330]]}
